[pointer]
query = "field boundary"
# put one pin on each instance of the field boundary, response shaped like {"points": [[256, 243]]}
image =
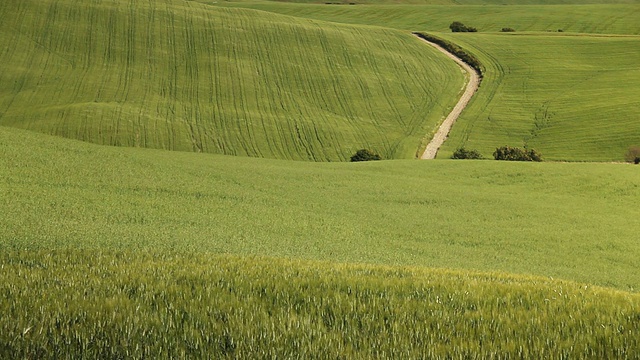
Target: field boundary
{"points": [[469, 90]]}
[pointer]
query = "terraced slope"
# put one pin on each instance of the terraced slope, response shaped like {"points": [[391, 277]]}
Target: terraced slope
{"points": [[179, 75]]}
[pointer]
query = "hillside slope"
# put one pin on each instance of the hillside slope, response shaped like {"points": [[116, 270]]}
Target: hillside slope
{"points": [[596, 18], [570, 97], [184, 76], [572, 221]]}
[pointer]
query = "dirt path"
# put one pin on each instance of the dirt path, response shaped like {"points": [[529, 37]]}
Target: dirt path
{"points": [[472, 86]]}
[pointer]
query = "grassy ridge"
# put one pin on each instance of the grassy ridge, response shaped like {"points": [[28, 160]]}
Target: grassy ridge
{"points": [[572, 98], [571, 221], [184, 76], [581, 18], [87, 304]]}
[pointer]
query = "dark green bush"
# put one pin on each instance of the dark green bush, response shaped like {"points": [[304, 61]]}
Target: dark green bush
{"points": [[516, 154], [633, 155], [463, 153], [365, 155], [457, 26], [508, 29]]}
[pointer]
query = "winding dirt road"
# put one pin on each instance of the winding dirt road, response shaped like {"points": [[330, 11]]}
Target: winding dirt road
{"points": [[472, 86]]}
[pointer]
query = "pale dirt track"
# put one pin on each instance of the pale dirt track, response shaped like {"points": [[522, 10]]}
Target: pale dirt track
{"points": [[472, 86]]}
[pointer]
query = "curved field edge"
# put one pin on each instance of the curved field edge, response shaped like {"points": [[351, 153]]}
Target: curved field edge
{"points": [[571, 221], [183, 76], [88, 304]]}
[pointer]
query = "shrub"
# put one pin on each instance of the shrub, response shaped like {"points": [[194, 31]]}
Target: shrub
{"points": [[507, 29], [633, 155], [457, 26], [516, 154], [463, 153], [365, 155]]}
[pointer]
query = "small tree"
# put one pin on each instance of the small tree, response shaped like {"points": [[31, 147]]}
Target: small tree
{"points": [[365, 155], [463, 153], [516, 154], [633, 155], [457, 26]]}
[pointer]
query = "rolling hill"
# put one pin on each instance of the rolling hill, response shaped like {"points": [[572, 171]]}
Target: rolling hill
{"points": [[200, 255], [597, 18], [571, 95], [571, 221], [178, 75], [133, 251]]}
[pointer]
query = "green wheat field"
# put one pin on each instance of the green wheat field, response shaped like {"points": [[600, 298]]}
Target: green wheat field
{"points": [[174, 181]]}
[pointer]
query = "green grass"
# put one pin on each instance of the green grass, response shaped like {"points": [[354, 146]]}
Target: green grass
{"points": [[198, 86], [591, 18], [570, 97], [571, 221], [114, 252], [134, 305], [184, 76]]}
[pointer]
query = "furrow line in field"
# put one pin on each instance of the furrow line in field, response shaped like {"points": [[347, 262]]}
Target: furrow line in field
{"points": [[444, 129]]}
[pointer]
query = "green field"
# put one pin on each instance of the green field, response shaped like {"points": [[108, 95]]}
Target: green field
{"points": [[196, 86], [134, 251], [107, 243], [593, 18], [573, 97], [167, 305], [173, 75], [570, 97], [571, 221]]}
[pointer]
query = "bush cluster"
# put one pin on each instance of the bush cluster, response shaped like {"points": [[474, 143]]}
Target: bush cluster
{"points": [[633, 155], [457, 26], [455, 50], [365, 155], [508, 29], [463, 153], [516, 154]]}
